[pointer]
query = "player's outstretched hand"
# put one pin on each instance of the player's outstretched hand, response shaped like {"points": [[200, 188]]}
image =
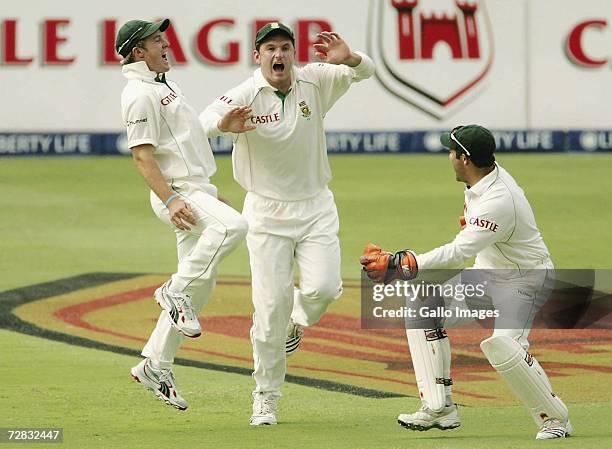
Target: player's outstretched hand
{"points": [[375, 262], [384, 267], [181, 215], [334, 50], [234, 121]]}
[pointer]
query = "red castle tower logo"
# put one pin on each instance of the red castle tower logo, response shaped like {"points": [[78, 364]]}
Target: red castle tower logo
{"points": [[435, 29], [433, 54]]}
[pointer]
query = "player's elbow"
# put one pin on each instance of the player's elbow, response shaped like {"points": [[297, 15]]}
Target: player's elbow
{"points": [[142, 154]]}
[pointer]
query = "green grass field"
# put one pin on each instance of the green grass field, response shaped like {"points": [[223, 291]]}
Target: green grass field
{"points": [[67, 216]]}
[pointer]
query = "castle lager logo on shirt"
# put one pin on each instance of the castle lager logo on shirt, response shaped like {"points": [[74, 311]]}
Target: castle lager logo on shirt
{"points": [[483, 223], [306, 112], [413, 40]]}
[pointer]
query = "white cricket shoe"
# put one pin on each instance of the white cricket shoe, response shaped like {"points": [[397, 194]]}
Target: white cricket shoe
{"points": [[159, 381], [264, 409], [179, 309], [426, 419], [553, 428], [295, 332]]}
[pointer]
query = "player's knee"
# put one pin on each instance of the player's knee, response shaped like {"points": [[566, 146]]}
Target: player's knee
{"points": [[323, 290], [236, 229]]}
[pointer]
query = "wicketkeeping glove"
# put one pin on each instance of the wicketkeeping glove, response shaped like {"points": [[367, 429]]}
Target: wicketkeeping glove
{"points": [[384, 267]]}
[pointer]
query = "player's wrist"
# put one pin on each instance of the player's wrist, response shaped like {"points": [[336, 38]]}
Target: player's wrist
{"points": [[170, 199], [353, 60]]}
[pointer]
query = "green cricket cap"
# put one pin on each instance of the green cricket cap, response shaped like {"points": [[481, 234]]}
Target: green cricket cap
{"points": [[474, 140], [270, 28], [135, 30]]}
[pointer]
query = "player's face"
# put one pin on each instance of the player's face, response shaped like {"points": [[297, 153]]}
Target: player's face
{"points": [[458, 165], [155, 52], [276, 56]]}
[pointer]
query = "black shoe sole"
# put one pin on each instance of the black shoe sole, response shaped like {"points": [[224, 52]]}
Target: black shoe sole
{"points": [[423, 428]]}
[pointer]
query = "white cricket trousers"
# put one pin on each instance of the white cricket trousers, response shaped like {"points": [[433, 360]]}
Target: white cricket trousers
{"points": [[518, 295], [218, 230], [281, 233]]}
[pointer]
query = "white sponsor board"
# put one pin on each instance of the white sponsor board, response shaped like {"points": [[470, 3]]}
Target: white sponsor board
{"points": [[515, 64]]}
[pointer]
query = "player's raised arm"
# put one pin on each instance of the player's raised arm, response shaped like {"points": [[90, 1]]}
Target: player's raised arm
{"points": [[340, 68], [334, 50]]}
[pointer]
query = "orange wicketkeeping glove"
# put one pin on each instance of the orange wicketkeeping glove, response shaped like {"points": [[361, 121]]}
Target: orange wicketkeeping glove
{"points": [[384, 267]]}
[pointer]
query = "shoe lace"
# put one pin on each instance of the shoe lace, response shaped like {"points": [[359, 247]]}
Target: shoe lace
{"points": [[551, 423], [185, 303], [265, 404], [166, 374], [425, 409]]}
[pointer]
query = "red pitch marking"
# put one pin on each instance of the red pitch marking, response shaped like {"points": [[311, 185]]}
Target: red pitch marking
{"points": [[237, 326], [74, 315]]}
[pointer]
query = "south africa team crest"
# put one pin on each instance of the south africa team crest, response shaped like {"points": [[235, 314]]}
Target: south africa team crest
{"points": [[305, 109], [433, 54]]}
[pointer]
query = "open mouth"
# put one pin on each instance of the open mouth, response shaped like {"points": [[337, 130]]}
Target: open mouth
{"points": [[278, 68], [165, 56]]}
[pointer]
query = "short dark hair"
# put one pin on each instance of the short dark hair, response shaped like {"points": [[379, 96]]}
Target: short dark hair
{"points": [[478, 162]]}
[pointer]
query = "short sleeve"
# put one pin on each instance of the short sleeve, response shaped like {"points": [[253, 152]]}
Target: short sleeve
{"points": [[142, 121]]}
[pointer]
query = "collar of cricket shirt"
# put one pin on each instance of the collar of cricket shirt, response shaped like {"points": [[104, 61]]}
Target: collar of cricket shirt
{"points": [[138, 71], [261, 82], [484, 183]]}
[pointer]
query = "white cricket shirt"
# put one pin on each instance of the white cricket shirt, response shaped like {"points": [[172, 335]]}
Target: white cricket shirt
{"points": [[285, 158], [156, 113], [500, 229]]}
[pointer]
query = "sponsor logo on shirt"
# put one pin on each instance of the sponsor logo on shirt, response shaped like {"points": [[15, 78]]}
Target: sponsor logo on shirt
{"points": [[306, 112], [135, 122], [482, 223], [268, 118], [169, 99]]}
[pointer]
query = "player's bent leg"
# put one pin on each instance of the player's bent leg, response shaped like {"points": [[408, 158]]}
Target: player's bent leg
{"points": [[311, 300], [320, 285], [165, 340], [160, 381], [318, 257], [529, 382], [220, 230]]}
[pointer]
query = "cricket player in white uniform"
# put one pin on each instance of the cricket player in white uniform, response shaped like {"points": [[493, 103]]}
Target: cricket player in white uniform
{"points": [[291, 212], [171, 152], [499, 228]]}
